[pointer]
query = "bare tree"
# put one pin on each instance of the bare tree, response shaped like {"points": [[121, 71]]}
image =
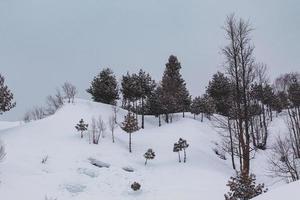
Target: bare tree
{"points": [[241, 70], [54, 102], [115, 110], [70, 91], [112, 126], [95, 132], [36, 113], [101, 127], [283, 162]]}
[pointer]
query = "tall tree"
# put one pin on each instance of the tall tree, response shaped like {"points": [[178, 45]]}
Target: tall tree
{"points": [[6, 97], [176, 97], [241, 70], [104, 87]]}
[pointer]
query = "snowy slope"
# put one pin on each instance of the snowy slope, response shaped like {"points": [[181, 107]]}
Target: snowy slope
{"points": [[68, 174], [289, 192], [7, 125]]}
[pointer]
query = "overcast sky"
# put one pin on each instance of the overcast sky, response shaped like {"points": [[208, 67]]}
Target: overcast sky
{"points": [[44, 43]]}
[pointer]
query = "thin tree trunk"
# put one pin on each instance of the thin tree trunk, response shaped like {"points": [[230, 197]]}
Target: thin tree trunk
{"points": [[143, 114], [159, 121], [231, 144], [130, 143], [179, 156]]}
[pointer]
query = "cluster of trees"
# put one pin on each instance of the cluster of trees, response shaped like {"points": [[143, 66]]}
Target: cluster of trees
{"points": [[285, 160], [53, 103], [98, 128], [142, 95]]}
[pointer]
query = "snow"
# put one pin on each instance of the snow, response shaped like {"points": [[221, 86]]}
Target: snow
{"points": [[68, 173], [289, 192]]}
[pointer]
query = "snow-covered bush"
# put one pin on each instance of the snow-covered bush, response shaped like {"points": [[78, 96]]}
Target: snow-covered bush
{"points": [[244, 187], [149, 155], [135, 186]]}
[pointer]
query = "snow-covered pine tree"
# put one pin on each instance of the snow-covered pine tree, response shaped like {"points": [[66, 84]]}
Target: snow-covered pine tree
{"points": [[81, 127], [130, 125], [6, 97], [175, 96], [149, 155], [177, 148], [104, 87], [220, 90], [183, 145], [244, 187]]}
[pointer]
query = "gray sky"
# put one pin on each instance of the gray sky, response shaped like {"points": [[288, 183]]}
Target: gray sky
{"points": [[46, 42]]}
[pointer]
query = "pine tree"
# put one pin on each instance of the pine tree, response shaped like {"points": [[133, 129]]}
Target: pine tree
{"points": [[243, 187], [6, 97], [149, 155], [220, 90], [81, 127], [147, 86], [154, 104], [204, 105], [130, 125], [104, 87], [175, 96]]}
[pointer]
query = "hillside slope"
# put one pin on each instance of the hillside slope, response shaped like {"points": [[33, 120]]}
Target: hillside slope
{"points": [[68, 173]]}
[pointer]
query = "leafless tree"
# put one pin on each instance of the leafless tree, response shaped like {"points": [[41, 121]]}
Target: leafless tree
{"points": [[115, 110], [54, 102], [70, 91], [36, 114], [95, 132], [101, 127], [283, 162], [112, 126], [241, 70]]}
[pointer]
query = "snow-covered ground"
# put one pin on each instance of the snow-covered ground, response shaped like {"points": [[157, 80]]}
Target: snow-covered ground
{"points": [[7, 125], [68, 174]]}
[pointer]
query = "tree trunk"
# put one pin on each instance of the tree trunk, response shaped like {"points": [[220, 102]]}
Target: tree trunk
{"points": [[183, 115], [130, 143], [159, 121], [231, 144], [146, 161], [143, 114], [113, 136], [179, 156], [184, 159], [167, 118]]}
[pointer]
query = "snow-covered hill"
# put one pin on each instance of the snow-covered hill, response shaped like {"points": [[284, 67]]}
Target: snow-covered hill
{"points": [[68, 173]]}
